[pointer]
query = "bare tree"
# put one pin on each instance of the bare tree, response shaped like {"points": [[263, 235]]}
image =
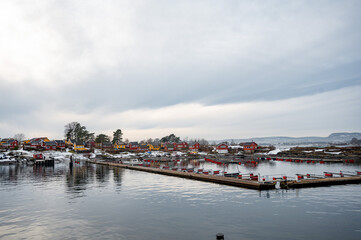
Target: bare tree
{"points": [[19, 136]]}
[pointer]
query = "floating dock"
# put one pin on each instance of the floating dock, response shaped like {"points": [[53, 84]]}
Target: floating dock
{"points": [[196, 176], [314, 181], [318, 182]]}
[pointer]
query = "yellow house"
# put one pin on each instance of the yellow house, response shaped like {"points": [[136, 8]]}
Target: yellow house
{"points": [[119, 146], [154, 147], [79, 146], [45, 139]]}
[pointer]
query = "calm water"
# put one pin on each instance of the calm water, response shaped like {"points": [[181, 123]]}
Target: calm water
{"points": [[97, 202]]}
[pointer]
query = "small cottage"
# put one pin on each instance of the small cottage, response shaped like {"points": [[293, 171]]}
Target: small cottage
{"points": [[222, 148], [51, 145], [249, 147]]}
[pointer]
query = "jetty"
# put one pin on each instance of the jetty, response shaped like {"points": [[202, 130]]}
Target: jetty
{"points": [[320, 181], [197, 176], [247, 181]]}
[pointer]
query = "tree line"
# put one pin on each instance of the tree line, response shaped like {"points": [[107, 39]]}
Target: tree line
{"points": [[77, 132]]}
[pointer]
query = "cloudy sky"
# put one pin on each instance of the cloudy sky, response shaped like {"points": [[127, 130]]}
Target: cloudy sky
{"points": [[207, 69]]}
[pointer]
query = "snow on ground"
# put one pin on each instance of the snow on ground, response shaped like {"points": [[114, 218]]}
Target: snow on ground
{"points": [[202, 153], [176, 154], [336, 153], [274, 152], [235, 147], [125, 155]]}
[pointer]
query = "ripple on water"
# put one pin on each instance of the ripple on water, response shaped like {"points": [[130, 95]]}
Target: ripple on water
{"points": [[99, 203]]}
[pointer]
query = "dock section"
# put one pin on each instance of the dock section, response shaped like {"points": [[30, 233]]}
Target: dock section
{"points": [[196, 176], [320, 182]]}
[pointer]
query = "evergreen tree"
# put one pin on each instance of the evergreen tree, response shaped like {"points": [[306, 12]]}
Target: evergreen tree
{"points": [[76, 131], [117, 136], [102, 138], [170, 138]]}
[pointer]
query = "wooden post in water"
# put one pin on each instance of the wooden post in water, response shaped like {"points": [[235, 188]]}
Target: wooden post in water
{"points": [[220, 236]]}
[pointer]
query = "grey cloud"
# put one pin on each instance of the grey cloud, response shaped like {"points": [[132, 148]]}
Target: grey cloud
{"points": [[121, 55]]}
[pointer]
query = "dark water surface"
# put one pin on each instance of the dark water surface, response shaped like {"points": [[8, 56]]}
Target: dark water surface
{"points": [[98, 202]]}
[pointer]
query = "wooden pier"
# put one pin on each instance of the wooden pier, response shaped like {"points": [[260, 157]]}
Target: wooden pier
{"points": [[317, 182], [196, 176]]}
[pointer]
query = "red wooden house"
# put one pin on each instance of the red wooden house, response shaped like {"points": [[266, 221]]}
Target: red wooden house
{"points": [[194, 147], [51, 145], [38, 156], [11, 144], [222, 148], [249, 147], [169, 147], [60, 144], [182, 146], [37, 143], [133, 146]]}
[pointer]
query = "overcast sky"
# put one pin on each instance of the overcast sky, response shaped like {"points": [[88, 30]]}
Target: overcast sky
{"points": [[205, 69]]}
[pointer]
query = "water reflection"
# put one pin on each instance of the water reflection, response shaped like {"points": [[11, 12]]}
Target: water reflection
{"points": [[117, 177], [101, 202], [81, 175]]}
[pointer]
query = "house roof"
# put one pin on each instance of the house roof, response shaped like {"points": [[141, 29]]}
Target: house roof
{"points": [[247, 143], [5, 139], [50, 143], [107, 144], [36, 141]]}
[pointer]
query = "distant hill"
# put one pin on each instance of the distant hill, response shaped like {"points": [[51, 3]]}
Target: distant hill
{"points": [[342, 137]]}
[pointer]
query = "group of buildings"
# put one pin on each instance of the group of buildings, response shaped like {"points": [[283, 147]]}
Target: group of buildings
{"points": [[44, 144]]}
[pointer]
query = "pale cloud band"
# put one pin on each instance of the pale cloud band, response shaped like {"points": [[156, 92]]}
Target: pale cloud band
{"points": [[212, 69], [302, 116]]}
